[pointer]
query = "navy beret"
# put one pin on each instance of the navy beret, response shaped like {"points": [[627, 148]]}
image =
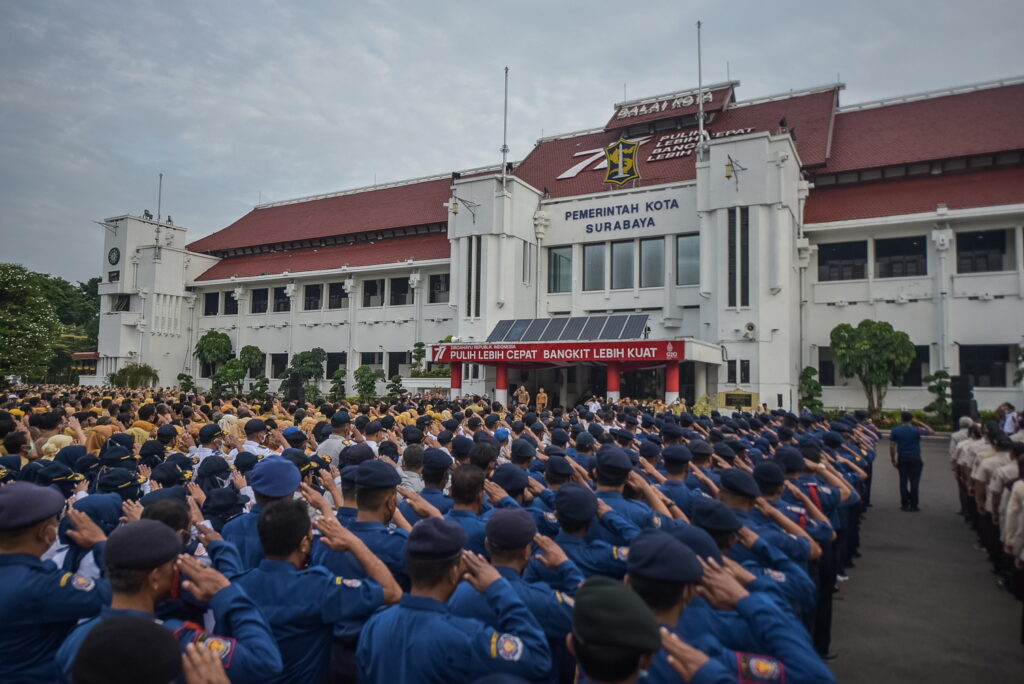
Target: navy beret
{"points": [[372, 428], [377, 475], [451, 424], [585, 440], [356, 454], [491, 418], [785, 433], [255, 425], [609, 613], [175, 492], [554, 450], [275, 477], [714, 516], [613, 461], [676, 453], [167, 431], [23, 504], [832, 439], [436, 537], [559, 437], [521, 449], [444, 437], [462, 445], [699, 447], [208, 433], [672, 430], [558, 465], [511, 528], [518, 426], [142, 545], [769, 473], [595, 430], [740, 482], [436, 460], [387, 448], [657, 555], [631, 420], [348, 476], [649, 450], [57, 473], [387, 422], [699, 541], [791, 460], [575, 502], [340, 418], [725, 451], [654, 438], [412, 435], [245, 461]]}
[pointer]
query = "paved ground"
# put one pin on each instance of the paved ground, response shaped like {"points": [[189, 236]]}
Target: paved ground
{"points": [[921, 605]]}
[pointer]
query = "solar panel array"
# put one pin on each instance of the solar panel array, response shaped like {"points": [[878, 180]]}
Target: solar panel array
{"points": [[620, 327]]}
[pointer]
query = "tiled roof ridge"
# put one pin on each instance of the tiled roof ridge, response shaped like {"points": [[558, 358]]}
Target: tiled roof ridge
{"points": [[932, 94]]}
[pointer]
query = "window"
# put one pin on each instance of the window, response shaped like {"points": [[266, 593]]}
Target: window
{"points": [[914, 375], [473, 277], [401, 293], [336, 360], [278, 365], [739, 257], [688, 260], [826, 367], [211, 303], [282, 302], [526, 258], [205, 370], [230, 304], [986, 365], [744, 371], [337, 297], [371, 358], [313, 298], [900, 257], [652, 263], [730, 371], [560, 269], [622, 265], [842, 261], [593, 267], [113, 276], [984, 250], [373, 292], [440, 288], [259, 300], [121, 303]]}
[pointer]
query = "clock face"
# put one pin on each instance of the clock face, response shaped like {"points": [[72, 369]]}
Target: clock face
{"points": [[113, 256]]}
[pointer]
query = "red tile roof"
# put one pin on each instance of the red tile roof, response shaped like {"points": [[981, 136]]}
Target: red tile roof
{"points": [[915, 195], [394, 250], [394, 207], [809, 114], [668, 107], [977, 122]]}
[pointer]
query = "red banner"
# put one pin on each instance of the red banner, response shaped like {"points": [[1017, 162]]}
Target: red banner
{"points": [[561, 352]]}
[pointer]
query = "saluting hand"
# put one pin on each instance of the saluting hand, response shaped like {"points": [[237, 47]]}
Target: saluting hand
{"points": [[207, 535], [495, 492], [684, 659], [132, 511], [84, 531], [719, 587], [202, 582], [551, 554], [420, 506], [478, 572], [334, 534]]}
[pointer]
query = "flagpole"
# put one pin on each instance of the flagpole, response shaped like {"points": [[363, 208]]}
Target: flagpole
{"points": [[700, 93], [504, 137]]}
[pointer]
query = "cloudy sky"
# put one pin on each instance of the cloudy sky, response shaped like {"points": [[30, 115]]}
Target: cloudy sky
{"points": [[243, 100]]}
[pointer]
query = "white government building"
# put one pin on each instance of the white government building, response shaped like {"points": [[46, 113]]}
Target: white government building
{"points": [[667, 271]]}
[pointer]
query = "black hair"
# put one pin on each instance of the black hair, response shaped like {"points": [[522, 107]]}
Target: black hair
{"points": [[126, 581], [676, 468], [171, 512], [15, 441], [556, 478], [467, 483], [372, 498], [413, 457], [483, 454], [428, 571], [282, 526], [659, 595], [610, 662], [146, 411], [572, 526], [607, 480], [770, 489], [724, 539]]}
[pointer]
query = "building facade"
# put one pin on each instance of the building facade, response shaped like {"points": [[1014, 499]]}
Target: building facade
{"points": [[743, 247]]}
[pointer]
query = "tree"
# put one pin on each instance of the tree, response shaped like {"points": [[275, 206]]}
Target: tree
{"points": [[395, 388], [810, 390], [28, 324], [309, 365], [938, 384], [876, 354], [366, 382], [213, 348], [135, 376], [259, 387], [229, 377], [419, 352], [253, 358], [337, 391], [186, 383]]}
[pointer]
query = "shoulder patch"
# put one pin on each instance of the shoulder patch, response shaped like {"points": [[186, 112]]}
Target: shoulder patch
{"points": [[565, 598], [509, 647], [551, 517], [656, 521], [221, 646], [620, 553], [775, 575], [82, 583], [351, 583], [756, 669]]}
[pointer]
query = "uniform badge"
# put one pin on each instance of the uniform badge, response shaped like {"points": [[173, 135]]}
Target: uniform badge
{"points": [[775, 575], [620, 553], [551, 517], [755, 669], [621, 159], [351, 583], [222, 647], [656, 521], [79, 582], [565, 598], [510, 647]]}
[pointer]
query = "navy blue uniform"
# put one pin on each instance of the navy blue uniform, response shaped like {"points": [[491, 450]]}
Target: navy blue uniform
{"points": [[591, 557], [39, 606], [243, 534], [387, 543], [249, 654], [419, 640], [302, 607], [639, 514], [434, 497]]}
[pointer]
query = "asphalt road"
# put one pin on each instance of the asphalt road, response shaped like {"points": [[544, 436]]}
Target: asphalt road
{"points": [[922, 605]]}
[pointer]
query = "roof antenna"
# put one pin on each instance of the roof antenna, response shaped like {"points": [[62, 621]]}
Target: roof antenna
{"points": [[728, 77], [159, 196], [504, 138]]}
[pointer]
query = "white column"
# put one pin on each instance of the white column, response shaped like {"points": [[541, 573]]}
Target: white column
{"points": [[700, 380]]}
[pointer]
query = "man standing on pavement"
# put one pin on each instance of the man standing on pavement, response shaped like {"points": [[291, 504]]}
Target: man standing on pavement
{"points": [[905, 452]]}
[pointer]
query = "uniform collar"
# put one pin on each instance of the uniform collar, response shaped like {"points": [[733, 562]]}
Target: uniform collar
{"points": [[609, 495], [431, 490], [107, 612], [20, 559], [366, 525], [459, 513], [422, 603], [511, 574], [564, 538], [268, 565]]}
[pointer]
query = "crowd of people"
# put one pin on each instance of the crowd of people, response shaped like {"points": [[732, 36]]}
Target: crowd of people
{"points": [[153, 536], [987, 461]]}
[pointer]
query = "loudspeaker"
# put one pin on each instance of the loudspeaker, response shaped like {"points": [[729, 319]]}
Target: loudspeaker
{"points": [[295, 390], [960, 388], [960, 409]]}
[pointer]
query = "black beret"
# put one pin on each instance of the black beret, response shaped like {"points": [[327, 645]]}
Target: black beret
{"points": [[436, 537], [23, 504], [116, 456], [511, 528], [768, 473], [245, 461], [120, 480], [255, 425], [412, 435], [558, 465], [340, 418], [575, 502], [357, 453], [518, 426], [609, 613], [462, 445], [740, 482], [451, 424], [436, 460], [699, 447], [387, 422], [208, 433], [142, 545], [657, 555], [676, 453], [511, 478], [57, 473], [167, 475], [387, 448], [714, 516], [112, 648], [372, 428], [522, 449], [377, 475]]}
